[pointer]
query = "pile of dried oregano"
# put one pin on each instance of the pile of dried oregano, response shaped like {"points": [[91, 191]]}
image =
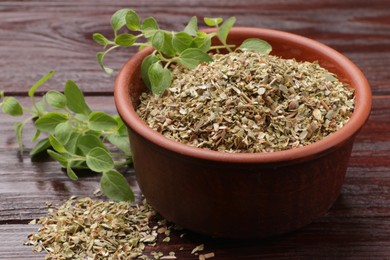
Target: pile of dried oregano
{"points": [[92, 229], [249, 102]]}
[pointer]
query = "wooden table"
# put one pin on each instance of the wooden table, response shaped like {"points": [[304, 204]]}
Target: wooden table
{"points": [[38, 36]]}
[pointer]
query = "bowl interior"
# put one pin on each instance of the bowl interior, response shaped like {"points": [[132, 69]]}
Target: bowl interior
{"points": [[129, 86]]}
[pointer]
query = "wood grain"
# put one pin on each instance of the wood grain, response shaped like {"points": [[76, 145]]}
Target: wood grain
{"points": [[38, 36]]}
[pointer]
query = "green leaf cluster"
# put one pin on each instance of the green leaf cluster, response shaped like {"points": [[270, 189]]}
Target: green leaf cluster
{"points": [[75, 136], [188, 48]]}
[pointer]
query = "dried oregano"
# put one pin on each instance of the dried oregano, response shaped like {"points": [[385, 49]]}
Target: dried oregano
{"points": [[245, 101], [94, 229]]}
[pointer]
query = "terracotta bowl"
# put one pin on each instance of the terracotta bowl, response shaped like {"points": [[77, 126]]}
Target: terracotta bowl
{"points": [[250, 195]]}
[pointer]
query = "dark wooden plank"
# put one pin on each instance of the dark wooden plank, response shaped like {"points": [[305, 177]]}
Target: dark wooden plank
{"points": [[38, 36], [356, 238], [12, 237]]}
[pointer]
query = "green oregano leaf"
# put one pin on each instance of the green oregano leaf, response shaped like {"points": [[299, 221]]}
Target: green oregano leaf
{"points": [[202, 41], [158, 40], [56, 144], [224, 30], [115, 186], [71, 144], [101, 121], [62, 159], [41, 146], [99, 58], [121, 128], [71, 174], [36, 135], [160, 78], [254, 44], [146, 63], [212, 21], [121, 141], [87, 142], [12, 107], [149, 26], [49, 121], [192, 26], [132, 20], [168, 47], [55, 99], [190, 58], [19, 135], [118, 19], [99, 160], [75, 99], [81, 117], [63, 132], [181, 41], [100, 39], [79, 164], [162, 41], [125, 39], [39, 108]]}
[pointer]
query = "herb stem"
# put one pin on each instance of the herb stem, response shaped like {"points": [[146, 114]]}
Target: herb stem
{"points": [[39, 112], [227, 46], [162, 58], [111, 48], [141, 44], [167, 64]]}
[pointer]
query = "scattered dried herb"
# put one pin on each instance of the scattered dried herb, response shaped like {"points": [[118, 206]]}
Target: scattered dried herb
{"points": [[206, 256], [95, 229], [87, 228], [197, 249], [245, 101]]}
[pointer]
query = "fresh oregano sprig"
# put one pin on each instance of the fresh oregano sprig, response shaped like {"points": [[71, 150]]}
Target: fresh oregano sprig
{"points": [[75, 136], [188, 48]]}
